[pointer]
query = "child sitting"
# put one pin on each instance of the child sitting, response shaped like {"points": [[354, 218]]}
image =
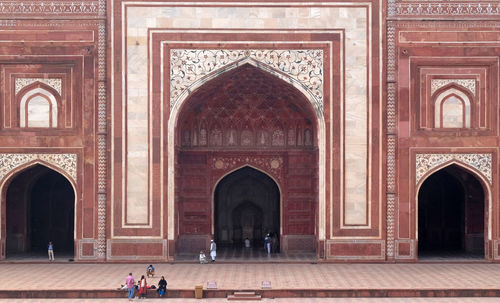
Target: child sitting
{"points": [[203, 258]]}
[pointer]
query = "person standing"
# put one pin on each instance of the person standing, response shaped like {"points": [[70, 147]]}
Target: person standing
{"points": [[50, 250], [130, 286], [162, 286], [143, 287], [213, 250], [267, 244]]}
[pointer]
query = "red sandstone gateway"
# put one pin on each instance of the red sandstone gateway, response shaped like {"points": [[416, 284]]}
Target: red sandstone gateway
{"points": [[140, 130]]}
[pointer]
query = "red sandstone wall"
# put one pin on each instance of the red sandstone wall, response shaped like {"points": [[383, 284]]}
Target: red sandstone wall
{"points": [[421, 52], [57, 41]]}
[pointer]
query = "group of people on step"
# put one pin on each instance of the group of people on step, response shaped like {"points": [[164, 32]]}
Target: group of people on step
{"points": [[142, 285]]}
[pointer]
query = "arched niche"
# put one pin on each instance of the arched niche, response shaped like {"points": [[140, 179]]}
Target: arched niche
{"points": [[244, 113], [39, 203], [452, 108], [38, 106], [452, 213]]}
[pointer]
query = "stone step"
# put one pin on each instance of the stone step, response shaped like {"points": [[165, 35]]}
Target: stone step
{"points": [[244, 293], [244, 298]]}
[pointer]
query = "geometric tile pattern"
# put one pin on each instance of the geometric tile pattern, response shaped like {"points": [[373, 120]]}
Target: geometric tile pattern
{"points": [[51, 7], [441, 8], [102, 137]]}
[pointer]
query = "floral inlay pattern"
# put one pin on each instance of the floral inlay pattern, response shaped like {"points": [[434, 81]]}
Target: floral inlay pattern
{"points": [[23, 82], [273, 165], [426, 162], [66, 162], [469, 84], [190, 65]]}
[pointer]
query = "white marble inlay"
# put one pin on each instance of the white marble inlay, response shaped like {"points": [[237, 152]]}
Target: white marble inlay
{"points": [[469, 84], [426, 162], [353, 21], [66, 162], [190, 65], [38, 112], [55, 83]]}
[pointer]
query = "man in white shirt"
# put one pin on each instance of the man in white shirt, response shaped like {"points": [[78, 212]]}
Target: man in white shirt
{"points": [[213, 250]]}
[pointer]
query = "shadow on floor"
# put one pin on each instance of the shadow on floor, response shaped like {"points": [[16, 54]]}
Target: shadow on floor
{"points": [[251, 255], [450, 256], [39, 257]]}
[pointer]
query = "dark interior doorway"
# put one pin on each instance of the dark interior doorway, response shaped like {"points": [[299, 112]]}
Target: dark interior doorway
{"points": [[246, 205], [40, 208], [451, 215]]}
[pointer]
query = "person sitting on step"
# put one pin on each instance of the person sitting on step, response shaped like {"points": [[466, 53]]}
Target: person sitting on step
{"points": [[203, 257]]}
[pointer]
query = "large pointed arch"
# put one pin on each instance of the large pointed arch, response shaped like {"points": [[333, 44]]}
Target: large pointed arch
{"points": [[477, 175], [171, 138], [43, 168]]}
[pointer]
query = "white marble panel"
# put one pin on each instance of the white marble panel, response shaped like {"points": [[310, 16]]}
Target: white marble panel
{"points": [[352, 20], [38, 112]]}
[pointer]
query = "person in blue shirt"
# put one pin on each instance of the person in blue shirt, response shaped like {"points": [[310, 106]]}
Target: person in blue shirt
{"points": [[50, 250]]}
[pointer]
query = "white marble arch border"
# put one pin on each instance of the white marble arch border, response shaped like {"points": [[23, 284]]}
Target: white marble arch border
{"points": [[478, 164], [65, 164], [172, 122]]}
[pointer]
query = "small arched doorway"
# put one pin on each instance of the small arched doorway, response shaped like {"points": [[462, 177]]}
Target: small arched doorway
{"points": [[451, 218], [39, 208], [246, 205]]}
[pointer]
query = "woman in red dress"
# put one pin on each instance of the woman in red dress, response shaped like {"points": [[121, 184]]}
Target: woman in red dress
{"points": [[143, 287]]}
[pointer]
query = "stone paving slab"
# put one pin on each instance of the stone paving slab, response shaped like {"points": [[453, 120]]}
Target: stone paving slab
{"points": [[249, 276], [282, 300]]}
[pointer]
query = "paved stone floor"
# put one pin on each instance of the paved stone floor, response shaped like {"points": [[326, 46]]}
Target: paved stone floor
{"points": [[251, 255], [284, 300], [76, 276]]}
